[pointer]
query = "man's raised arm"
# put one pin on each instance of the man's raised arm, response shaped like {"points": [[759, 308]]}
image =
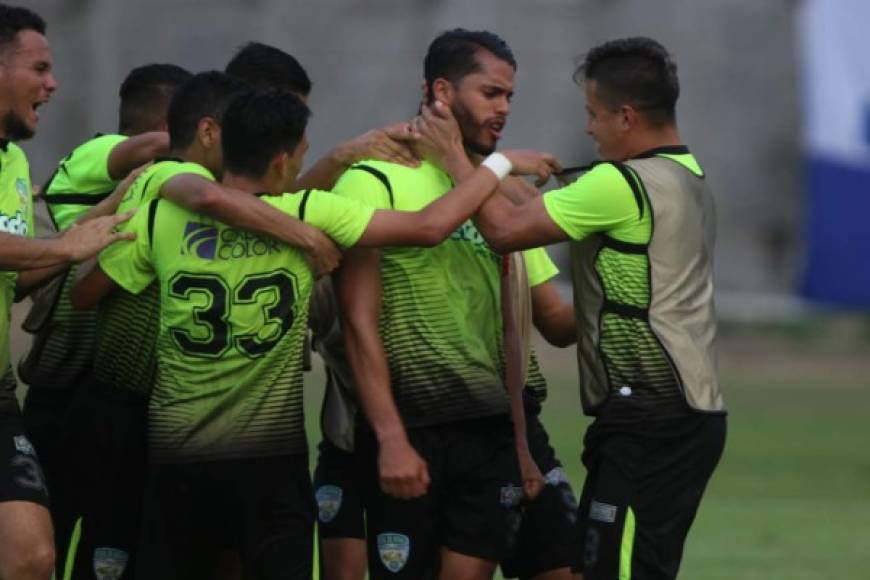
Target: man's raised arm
{"points": [[245, 211]]}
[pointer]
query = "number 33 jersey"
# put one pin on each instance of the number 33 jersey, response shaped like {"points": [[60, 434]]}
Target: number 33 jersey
{"points": [[233, 311]]}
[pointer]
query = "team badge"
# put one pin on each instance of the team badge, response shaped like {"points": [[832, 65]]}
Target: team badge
{"points": [[328, 502], [23, 445], [109, 563], [511, 496], [394, 550]]}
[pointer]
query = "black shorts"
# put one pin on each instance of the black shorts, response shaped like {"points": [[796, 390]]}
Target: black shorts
{"points": [[21, 478], [261, 507], [472, 506], [338, 494], [107, 434], [643, 487], [548, 538]]}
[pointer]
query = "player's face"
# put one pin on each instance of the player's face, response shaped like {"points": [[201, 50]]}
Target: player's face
{"points": [[26, 83], [482, 102], [604, 125]]}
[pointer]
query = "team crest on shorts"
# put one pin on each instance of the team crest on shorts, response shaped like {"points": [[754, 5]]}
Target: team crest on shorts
{"points": [[328, 499], [511, 496], [394, 550], [109, 563], [23, 445]]}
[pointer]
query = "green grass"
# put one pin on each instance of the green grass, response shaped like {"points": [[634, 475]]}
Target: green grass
{"points": [[791, 497]]}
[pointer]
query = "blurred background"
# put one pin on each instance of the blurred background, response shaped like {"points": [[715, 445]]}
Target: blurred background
{"points": [[775, 104]]}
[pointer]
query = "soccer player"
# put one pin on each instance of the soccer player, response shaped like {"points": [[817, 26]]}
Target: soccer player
{"points": [[267, 67], [111, 412], [226, 425], [64, 341], [26, 82], [427, 357], [642, 230]]}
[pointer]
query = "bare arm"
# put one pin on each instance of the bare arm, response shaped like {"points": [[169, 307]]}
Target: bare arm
{"points": [[403, 473], [508, 227], [553, 317], [245, 211], [92, 287], [136, 151], [533, 481], [386, 144]]}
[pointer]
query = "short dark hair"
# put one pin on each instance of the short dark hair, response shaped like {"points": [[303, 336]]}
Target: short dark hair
{"points": [[207, 94], [638, 71], [145, 96], [259, 125], [14, 19], [452, 55], [266, 67]]}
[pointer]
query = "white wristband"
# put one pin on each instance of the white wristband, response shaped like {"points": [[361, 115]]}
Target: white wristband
{"points": [[498, 164]]}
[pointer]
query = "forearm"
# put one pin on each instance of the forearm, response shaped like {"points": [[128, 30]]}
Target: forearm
{"points": [[514, 378], [19, 253], [242, 211], [30, 280]]}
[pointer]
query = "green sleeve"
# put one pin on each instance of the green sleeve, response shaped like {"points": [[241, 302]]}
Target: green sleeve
{"points": [[129, 263], [88, 167], [343, 220], [363, 187], [539, 267], [599, 201]]}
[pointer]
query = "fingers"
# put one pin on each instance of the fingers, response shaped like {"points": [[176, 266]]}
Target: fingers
{"points": [[120, 236], [120, 218]]}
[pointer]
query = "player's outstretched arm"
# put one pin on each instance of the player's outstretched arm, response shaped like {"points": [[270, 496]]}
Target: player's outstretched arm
{"points": [[388, 143], [245, 211], [434, 223], [552, 316], [402, 472], [532, 479], [74, 245], [135, 152]]}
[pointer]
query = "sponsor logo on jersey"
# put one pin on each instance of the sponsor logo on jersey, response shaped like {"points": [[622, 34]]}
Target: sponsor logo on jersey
{"points": [[23, 445], [210, 243], [394, 550], [109, 563], [511, 496], [14, 224], [200, 240], [468, 233], [328, 502]]}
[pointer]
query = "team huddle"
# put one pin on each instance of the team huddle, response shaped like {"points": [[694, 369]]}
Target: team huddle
{"points": [[194, 266]]}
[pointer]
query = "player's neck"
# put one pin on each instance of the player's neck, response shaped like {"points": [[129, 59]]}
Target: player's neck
{"points": [[249, 184], [653, 139]]}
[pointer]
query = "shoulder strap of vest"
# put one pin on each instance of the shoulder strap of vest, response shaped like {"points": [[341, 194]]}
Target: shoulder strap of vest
{"points": [[305, 195], [633, 180], [379, 175]]}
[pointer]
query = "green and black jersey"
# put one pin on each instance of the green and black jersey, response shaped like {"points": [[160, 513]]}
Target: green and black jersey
{"points": [[127, 323], [233, 315], [65, 340], [16, 218], [441, 321], [642, 268]]}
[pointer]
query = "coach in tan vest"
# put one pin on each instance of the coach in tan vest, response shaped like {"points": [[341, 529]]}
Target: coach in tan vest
{"points": [[641, 224]]}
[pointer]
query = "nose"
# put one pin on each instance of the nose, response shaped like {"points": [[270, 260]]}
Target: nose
{"points": [[503, 106], [50, 83]]}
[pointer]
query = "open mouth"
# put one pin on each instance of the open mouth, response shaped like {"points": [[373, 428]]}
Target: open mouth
{"points": [[496, 128]]}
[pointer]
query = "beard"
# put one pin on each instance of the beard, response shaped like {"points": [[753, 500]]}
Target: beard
{"points": [[14, 127], [469, 127]]}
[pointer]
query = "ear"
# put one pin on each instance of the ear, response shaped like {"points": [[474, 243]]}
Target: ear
{"points": [[628, 117], [280, 166], [443, 91], [209, 132]]}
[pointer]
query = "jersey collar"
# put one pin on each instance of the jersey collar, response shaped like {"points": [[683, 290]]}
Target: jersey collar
{"points": [[666, 150]]}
